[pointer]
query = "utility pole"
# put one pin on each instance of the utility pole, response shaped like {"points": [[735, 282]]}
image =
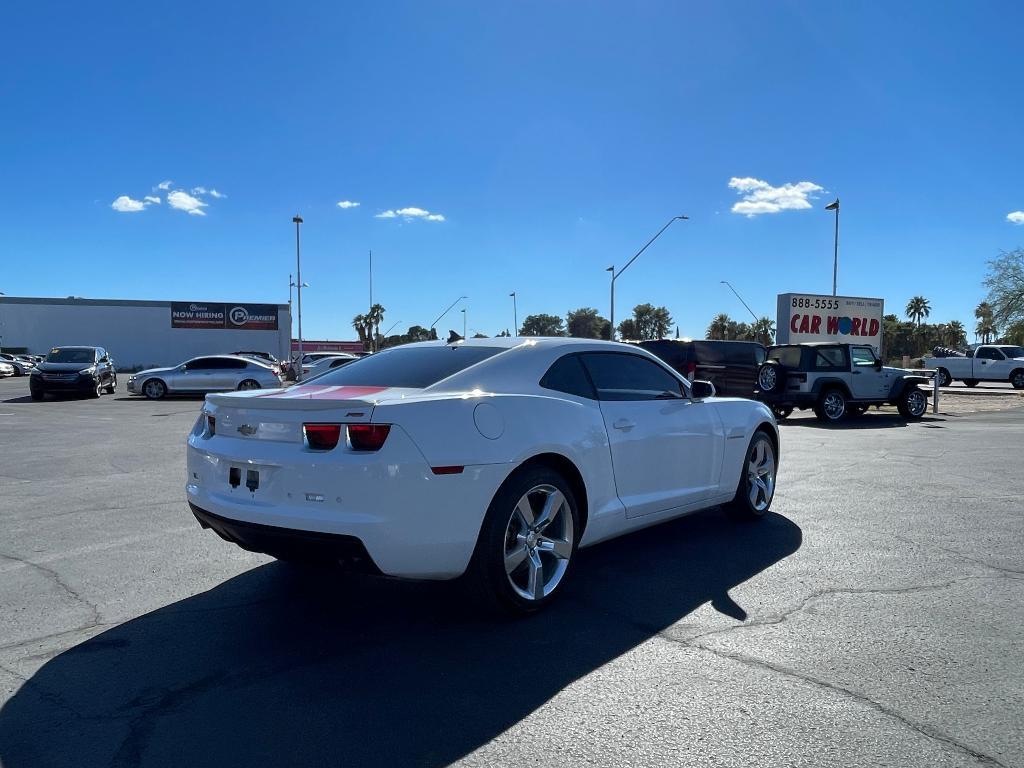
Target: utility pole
{"points": [[463, 323], [515, 315], [297, 220]]}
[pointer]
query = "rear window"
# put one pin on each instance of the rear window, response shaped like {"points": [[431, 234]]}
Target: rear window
{"points": [[675, 353], [412, 367], [71, 356], [787, 357]]}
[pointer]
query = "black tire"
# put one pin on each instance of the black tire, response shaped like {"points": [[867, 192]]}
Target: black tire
{"points": [[1017, 379], [37, 394], [154, 389], [913, 403], [112, 386], [782, 411], [742, 506], [488, 566], [97, 391], [943, 376], [831, 406], [970, 383], [771, 377], [248, 384]]}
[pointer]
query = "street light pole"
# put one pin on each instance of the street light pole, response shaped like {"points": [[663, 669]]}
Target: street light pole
{"points": [[611, 313], [515, 314], [463, 323], [835, 253], [297, 220], [433, 324], [726, 282], [616, 275]]}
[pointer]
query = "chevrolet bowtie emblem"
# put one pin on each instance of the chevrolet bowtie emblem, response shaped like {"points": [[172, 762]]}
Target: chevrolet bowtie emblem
{"points": [[247, 429]]}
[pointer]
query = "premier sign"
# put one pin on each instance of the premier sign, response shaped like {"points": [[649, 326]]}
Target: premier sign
{"points": [[246, 317], [804, 317]]}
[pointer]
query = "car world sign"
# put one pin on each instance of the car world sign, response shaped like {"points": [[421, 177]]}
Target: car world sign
{"points": [[804, 317], [246, 317]]}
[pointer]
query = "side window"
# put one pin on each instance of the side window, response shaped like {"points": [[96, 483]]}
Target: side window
{"points": [[567, 375], [199, 364], [237, 364], [619, 376], [989, 353], [863, 357], [830, 359], [711, 353]]}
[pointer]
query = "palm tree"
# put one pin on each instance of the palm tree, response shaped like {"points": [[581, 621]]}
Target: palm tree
{"points": [[918, 309], [986, 327], [957, 334], [764, 331], [360, 325], [373, 320], [719, 327]]}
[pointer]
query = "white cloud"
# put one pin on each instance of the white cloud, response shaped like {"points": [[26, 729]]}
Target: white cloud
{"points": [[346, 204], [125, 204], [164, 184], [761, 197], [183, 201], [410, 214], [205, 191], [152, 199], [1016, 217]]}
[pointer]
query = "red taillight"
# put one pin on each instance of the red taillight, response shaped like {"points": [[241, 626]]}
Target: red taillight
{"points": [[690, 370], [322, 437], [211, 425], [367, 437]]}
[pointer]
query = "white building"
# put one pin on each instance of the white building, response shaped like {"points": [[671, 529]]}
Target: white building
{"points": [[144, 333]]}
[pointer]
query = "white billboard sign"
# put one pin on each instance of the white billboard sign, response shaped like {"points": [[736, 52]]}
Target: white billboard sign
{"points": [[804, 317]]}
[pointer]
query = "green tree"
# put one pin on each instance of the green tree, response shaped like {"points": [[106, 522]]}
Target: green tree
{"points": [[543, 325], [1014, 334], [585, 323], [651, 322], [719, 328], [918, 309], [361, 326], [764, 331], [956, 334], [627, 330], [986, 326], [1005, 283]]}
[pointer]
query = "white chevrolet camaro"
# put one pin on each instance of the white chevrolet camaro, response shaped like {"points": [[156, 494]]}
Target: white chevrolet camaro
{"points": [[495, 458]]}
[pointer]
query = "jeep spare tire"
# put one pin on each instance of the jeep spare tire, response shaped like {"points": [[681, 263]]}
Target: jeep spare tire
{"points": [[771, 378]]}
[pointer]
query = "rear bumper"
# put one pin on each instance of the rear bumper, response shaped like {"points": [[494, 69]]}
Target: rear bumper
{"points": [[289, 544], [410, 522]]}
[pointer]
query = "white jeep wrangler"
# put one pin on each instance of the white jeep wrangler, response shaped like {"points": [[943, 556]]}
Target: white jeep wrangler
{"points": [[836, 380]]}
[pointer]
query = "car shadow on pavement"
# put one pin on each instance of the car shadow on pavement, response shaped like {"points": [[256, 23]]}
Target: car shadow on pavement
{"points": [[280, 667], [867, 421]]}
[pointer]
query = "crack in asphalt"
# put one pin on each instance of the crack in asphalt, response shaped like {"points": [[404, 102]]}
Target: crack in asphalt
{"points": [[925, 730], [57, 579], [59, 633], [860, 698]]}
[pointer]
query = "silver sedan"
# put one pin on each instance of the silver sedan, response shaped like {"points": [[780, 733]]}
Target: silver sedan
{"points": [[216, 373]]}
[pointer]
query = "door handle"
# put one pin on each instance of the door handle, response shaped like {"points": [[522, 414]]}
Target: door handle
{"points": [[624, 424]]}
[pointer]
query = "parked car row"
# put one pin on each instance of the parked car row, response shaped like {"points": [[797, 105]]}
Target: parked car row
{"points": [[18, 365]]}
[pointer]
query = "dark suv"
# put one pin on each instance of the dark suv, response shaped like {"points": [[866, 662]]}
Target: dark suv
{"points": [[730, 365], [75, 370]]}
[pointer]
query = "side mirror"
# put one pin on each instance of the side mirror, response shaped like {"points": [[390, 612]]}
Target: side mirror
{"points": [[700, 389], [878, 365]]}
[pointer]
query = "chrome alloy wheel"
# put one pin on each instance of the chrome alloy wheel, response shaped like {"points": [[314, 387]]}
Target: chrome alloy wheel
{"points": [[767, 378], [761, 475], [154, 389], [539, 541], [834, 406], [917, 403], [1018, 380], [248, 384]]}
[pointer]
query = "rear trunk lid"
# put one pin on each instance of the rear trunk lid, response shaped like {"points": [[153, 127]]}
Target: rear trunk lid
{"points": [[278, 415]]}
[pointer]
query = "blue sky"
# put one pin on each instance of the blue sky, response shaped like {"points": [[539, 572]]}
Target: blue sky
{"points": [[553, 138]]}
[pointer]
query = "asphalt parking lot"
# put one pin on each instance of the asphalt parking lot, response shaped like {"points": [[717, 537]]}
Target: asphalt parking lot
{"points": [[875, 618]]}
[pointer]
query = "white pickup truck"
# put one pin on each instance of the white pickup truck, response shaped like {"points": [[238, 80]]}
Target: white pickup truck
{"points": [[989, 362]]}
